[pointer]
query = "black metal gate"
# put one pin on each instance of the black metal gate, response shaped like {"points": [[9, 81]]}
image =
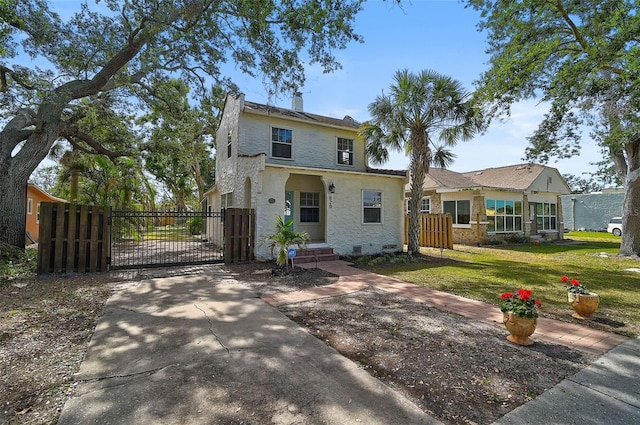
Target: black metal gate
{"points": [[162, 238]]}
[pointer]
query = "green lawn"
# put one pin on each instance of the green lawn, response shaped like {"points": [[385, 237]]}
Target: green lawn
{"points": [[486, 272]]}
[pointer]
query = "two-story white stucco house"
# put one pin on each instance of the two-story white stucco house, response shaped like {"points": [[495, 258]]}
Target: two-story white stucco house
{"points": [[308, 167]]}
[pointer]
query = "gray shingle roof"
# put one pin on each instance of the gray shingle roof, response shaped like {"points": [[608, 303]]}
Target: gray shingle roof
{"points": [[347, 121]]}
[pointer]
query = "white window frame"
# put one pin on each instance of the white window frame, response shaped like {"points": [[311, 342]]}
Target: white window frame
{"points": [[315, 205], [340, 152], [504, 214], [455, 217], [423, 210], [541, 217], [226, 200], [271, 143], [380, 207], [30, 206], [38, 212]]}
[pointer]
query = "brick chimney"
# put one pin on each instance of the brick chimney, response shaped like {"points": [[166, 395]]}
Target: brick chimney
{"points": [[296, 103]]}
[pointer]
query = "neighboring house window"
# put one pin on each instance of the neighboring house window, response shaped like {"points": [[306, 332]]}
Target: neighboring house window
{"points": [[425, 205], [38, 213], [546, 216], [281, 142], [371, 206], [226, 200], [345, 151], [30, 206], [460, 211], [504, 216], [309, 207]]}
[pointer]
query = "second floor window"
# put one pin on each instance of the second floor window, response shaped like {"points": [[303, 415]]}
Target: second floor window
{"points": [[281, 141], [345, 151]]}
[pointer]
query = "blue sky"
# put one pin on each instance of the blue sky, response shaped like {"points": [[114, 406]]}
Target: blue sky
{"points": [[420, 34], [423, 34]]}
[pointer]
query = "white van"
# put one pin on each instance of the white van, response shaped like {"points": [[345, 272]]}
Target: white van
{"points": [[615, 226]]}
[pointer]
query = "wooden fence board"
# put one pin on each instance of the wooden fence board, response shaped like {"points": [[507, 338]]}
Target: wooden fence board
{"points": [[73, 238], [239, 234], [436, 231]]}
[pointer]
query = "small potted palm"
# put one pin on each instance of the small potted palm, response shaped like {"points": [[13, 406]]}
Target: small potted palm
{"points": [[520, 315], [283, 238], [583, 301]]}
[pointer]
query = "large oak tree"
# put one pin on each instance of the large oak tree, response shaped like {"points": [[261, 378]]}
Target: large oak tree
{"points": [[583, 57], [120, 46]]}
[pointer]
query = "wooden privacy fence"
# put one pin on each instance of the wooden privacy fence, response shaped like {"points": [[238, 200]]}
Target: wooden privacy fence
{"points": [[73, 238], [436, 230], [239, 234]]}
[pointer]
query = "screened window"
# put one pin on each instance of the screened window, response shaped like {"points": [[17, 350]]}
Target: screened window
{"points": [[38, 213], [309, 207], [371, 206], [546, 216], [30, 206], [460, 211], [425, 205], [504, 216], [281, 142], [345, 151], [226, 200]]}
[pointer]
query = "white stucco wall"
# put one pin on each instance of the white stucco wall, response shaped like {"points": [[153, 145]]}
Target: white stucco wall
{"points": [[313, 145]]}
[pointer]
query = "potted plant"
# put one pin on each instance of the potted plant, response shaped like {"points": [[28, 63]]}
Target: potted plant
{"points": [[583, 301], [283, 238], [520, 315]]}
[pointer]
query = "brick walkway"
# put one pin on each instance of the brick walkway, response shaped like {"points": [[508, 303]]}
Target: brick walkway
{"points": [[352, 280]]}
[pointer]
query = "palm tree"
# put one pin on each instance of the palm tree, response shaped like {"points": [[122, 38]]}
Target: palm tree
{"points": [[283, 238], [424, 114]]}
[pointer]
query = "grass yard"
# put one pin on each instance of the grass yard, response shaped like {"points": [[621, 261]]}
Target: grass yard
{"points": [[484, 273]]}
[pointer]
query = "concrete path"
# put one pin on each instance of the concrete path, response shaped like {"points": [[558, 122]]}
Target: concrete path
{"points": [[203, 349]]}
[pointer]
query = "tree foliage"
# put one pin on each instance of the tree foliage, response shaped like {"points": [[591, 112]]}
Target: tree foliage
{"points": [[583, 57], [113, 49], [424, 114]]}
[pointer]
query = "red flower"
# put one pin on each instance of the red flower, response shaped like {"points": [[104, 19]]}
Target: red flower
{"points": [[506, 295], [564, 278], [525, 294], [575, 282], [538, 303]]}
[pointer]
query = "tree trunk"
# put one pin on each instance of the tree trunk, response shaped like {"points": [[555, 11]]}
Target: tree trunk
{"points": [[13, 194], [630, 244], [417, 180]]}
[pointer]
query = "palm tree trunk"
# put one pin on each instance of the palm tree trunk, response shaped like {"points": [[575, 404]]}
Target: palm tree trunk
{"points": [[417, 179]]}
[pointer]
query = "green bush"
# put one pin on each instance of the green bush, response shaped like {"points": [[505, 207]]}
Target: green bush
{"points": [[194, 225]]}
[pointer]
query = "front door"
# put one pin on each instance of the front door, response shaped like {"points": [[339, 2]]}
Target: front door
{"points": [[533, 218]]}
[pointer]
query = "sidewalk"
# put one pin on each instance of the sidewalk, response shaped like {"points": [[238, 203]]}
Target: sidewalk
{"points": [[607, 391]]}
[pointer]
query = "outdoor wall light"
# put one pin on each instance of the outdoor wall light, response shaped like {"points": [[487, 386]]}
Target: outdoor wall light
{"points": [[332, 188]]}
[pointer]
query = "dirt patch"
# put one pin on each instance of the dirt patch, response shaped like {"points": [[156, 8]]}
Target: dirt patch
{"points": [[456, 369]]}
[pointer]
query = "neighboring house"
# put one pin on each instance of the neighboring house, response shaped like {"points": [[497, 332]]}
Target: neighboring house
{"points": [[35, 196], [497, 202], [592, 211], [310, 168]]}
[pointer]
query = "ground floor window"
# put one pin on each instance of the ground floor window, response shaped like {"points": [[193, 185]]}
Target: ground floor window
{"points": [[226, 200], [371, 206], [460, 211], [504, 216], [546, 216], [425, 205], [309, 207]]}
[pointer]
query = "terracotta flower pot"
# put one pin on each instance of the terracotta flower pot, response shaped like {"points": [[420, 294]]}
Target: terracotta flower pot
{"points": [[584, 305], [521, 328]]}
